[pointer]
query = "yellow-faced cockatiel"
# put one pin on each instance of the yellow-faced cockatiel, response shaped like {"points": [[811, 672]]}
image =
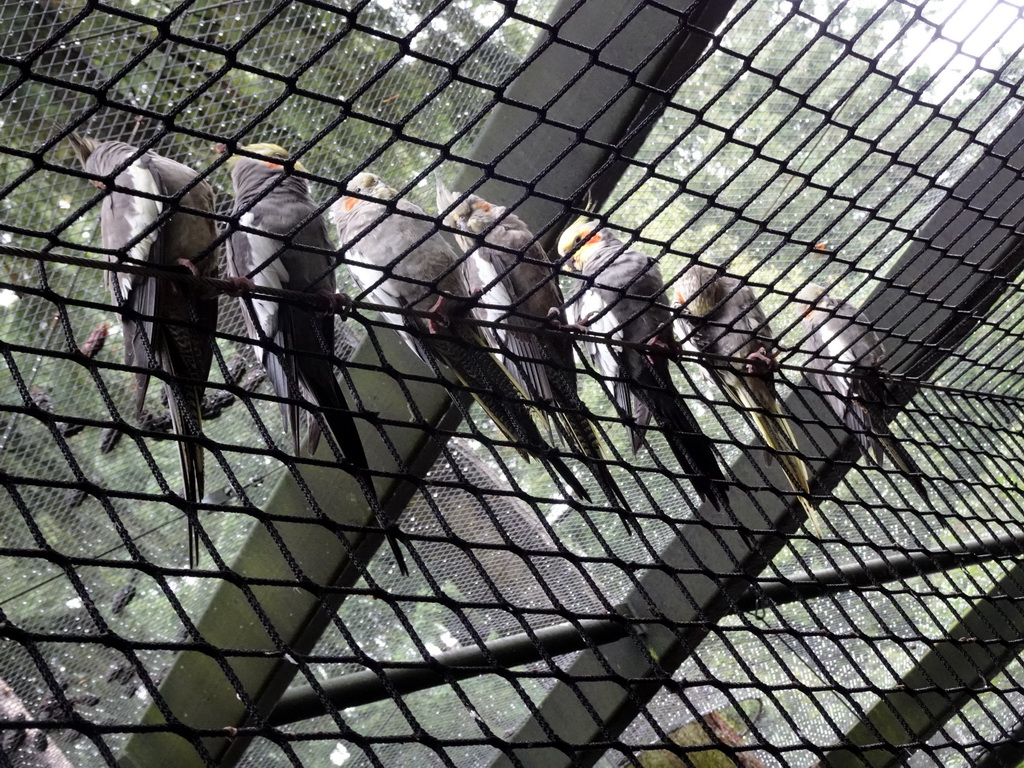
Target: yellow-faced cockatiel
{"points": [[847, 358], [625, 301], [720, 316], [290, 249], [518, 288], [157, 212], [399, 259]]}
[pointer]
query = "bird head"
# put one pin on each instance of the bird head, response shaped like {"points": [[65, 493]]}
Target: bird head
{"points": [[369, 185], [581, 238], [698, 290], [276, 155], [475, 215]]}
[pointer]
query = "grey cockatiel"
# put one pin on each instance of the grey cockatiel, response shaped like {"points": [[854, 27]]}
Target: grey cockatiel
{"points": [[518, 287], [625, 300], [720, 316], [166, 326], [294, 342], [399, 259], [847, 358]]}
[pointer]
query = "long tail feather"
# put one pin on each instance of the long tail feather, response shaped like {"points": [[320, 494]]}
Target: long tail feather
{"points": [[343, 426], [691, 447], [191, 460], [904, 462], [500, 396], [758, 399], [579, 432]]}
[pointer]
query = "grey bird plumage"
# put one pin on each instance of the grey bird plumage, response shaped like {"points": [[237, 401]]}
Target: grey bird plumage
{"points": [[721, 317], [625, 300], [397, 256], [166, 327], [295, 253], [847, 363], [518, 288]]}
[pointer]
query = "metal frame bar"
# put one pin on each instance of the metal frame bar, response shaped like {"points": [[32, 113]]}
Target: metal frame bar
{"points": [[567, 91], [878, 571], [302, 703], [356, 689]]}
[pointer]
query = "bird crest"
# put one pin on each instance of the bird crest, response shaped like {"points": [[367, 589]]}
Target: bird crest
{"points": [[275, 153]]}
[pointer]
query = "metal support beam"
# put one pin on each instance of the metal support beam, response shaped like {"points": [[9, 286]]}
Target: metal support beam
{"points": [[302, 703], [196, 689], [587, 99], [935, 295], [942, 682]]}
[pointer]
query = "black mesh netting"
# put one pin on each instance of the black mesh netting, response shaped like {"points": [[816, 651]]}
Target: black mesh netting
{"points": [[875, 148]]}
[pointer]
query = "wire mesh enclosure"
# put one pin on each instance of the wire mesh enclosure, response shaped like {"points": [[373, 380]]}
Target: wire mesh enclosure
{"points": [[822, 494]]}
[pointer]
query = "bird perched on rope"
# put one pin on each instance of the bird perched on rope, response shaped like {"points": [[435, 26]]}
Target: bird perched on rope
{"points": [[720, 316], [396, 255], [625, 300], [158, 212], [847, 358], [518, 287], [282, 243]]}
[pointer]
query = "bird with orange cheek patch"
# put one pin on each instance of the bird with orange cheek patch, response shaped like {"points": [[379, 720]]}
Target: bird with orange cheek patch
{"points": [[282, 243], [720, 316], [399, 258], [625, 300], [847, 359], [518, 287]]}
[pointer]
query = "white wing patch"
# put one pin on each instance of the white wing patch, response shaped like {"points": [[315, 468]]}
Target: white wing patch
{"points": [[837, 349], [496, 301], [371, 276], [603, 324], [267, 271], [139, 216]]}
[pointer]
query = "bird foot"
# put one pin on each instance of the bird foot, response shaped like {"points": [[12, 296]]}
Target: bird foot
{"points": [[439, 317], [661, 347], [340, 304], [189, 266], [761, 362], [583, 326], [554, 319], [239, 286]]}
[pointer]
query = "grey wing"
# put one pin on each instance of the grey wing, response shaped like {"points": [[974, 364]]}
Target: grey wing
{"points": [[257, 257], [489, 271], [740, 326], [848, 396], [593, 308]]}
